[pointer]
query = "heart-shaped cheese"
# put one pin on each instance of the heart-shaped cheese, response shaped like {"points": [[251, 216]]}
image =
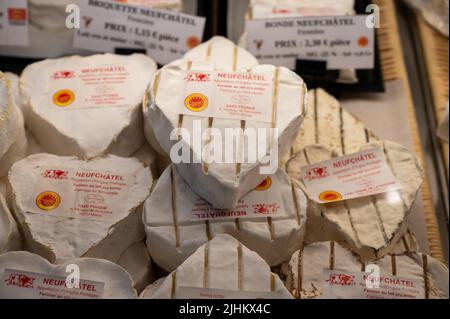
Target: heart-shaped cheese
{"points": [[331, 126], [223, 263], [29, 276], [177, 221], [87, 106], [13, 143], [69, 208], [136, 261], [370, 225], [9, 234], [218, 50], [309, 269], [224, 181]]}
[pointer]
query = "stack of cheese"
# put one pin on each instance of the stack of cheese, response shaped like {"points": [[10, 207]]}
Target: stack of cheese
{"points": [[328, 270], [223, 183], [28, 276], [87, 106], [269, 220], [370, 225], [266, 9], [50, 37], [226, 268], [13, 143]]}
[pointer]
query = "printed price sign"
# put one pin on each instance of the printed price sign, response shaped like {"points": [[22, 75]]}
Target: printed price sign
{"points": [[166, 35], [356, 175], [343, 41], [14, 22]]}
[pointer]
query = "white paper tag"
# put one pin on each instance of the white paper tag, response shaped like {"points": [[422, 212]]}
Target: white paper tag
{"points": [[230, 95], [359, 285], [166, 35], [30, 285], [210, 293], [77, 193], [14, 23], [99, 86], [356, 175], [265, 201], [343, 41]]}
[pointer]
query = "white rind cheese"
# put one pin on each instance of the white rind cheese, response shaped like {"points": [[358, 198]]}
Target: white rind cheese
{"points": [[9, 233], [222, 263], [136, 261], [218, 50], [14, 80], [224, 183], [117, 282], [174, 233], [13, 143], [85, 130], [316, 259], [330, 125], [369, 225], [61, 238]]}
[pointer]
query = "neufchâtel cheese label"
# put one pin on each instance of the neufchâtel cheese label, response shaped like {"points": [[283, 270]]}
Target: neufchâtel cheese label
{"points": [[352, 176], [341, 284], [227, 95], [77, 193], [31, 285]]}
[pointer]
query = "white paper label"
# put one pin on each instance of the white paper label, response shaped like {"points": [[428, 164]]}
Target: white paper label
{"points": [[209, 293], [359, 285], [100, 86], [265, 201], [77, 193], [30, 285], [166, 35], [356, 175], [14, 22], [343, 41], [230, 95]]}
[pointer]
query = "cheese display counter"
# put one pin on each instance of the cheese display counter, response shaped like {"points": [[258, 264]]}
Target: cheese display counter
{"points": [[257, 149]]}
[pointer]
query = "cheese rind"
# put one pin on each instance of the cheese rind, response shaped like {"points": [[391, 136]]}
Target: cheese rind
{"points": [[222, 263], [59, 238], [315, 263], [369, 225], [13, 143], [136, 261], [224, 183], [118, 283], [87, 132], [9, 233], [174, 232]]}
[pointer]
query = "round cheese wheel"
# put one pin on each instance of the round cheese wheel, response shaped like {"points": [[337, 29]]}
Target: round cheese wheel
{"points": [[223, 183], [177, 221], [89, 106], [308, 270], [223, 263], [370, 225], [69, 208], [44, 277], [13, 143], [9, 233]]}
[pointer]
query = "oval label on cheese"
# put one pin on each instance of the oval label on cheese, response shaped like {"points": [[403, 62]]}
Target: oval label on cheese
{"points": [[196, 102], [265, 184], [63, 98], [48, 200], [330, 196]]}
